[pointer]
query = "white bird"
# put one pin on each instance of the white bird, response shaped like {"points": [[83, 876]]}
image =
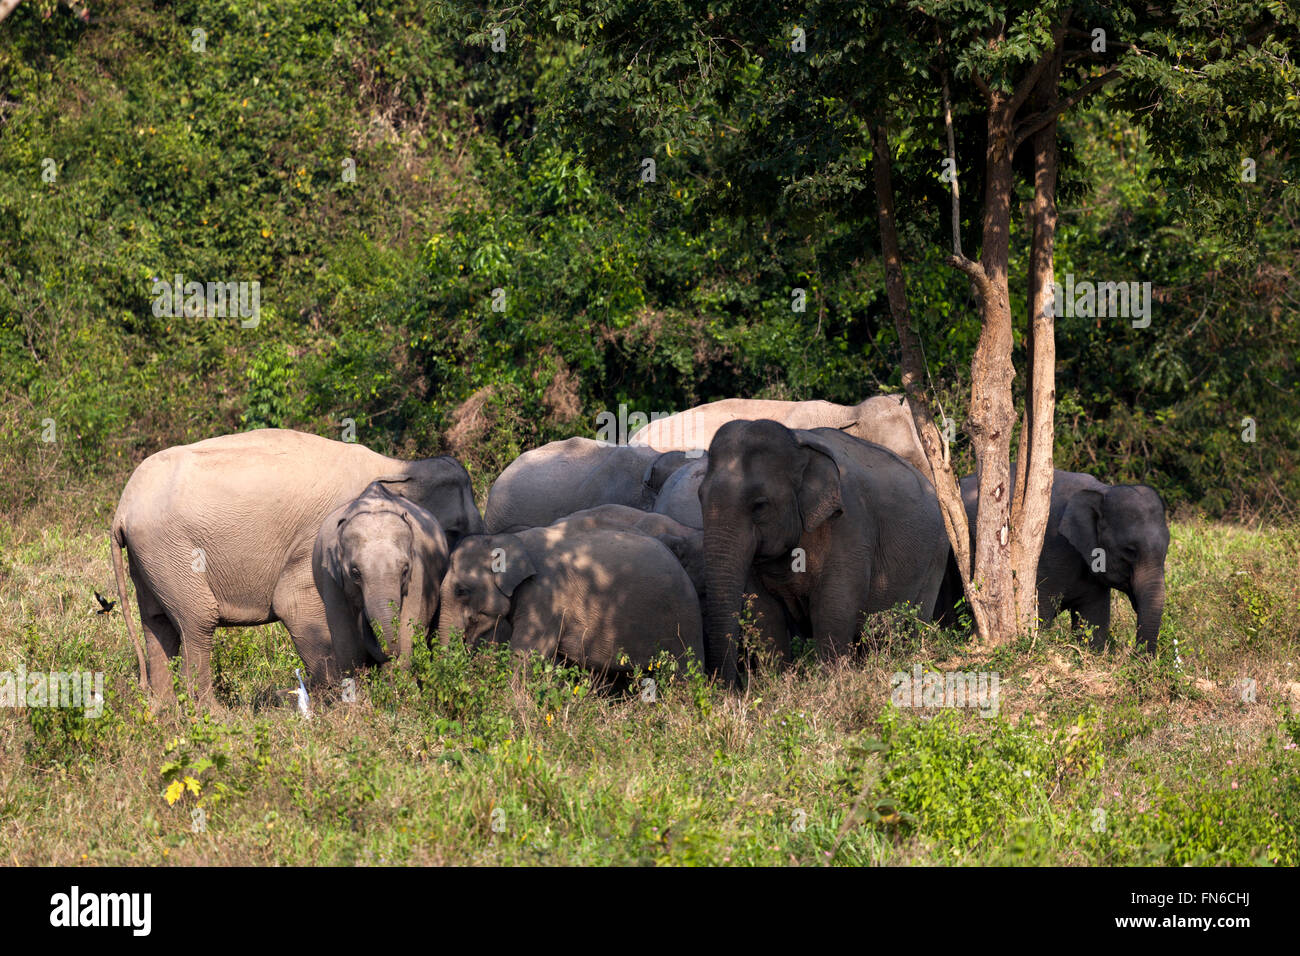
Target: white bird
{"points": [[304, 702]]}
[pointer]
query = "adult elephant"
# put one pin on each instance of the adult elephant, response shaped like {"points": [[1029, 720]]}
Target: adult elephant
{"points": [[883, 419], [605, 600], [1099, 538], [221, 533], [562, 477], [834, 527], [378, 564]]}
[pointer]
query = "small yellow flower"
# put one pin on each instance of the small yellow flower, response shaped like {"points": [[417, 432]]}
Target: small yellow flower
{"points": [[550, 719], [266, 233]]}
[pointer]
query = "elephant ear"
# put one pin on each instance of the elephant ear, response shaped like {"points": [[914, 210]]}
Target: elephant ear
{"points": [[659, 469], [819, 493], [1079, 521], [519, 568]]}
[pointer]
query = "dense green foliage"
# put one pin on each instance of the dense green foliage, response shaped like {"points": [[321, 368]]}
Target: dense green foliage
{"points": [[229, 163]]}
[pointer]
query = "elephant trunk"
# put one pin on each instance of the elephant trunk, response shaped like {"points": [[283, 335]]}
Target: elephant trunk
{"points": [[727, 558], [383, 610], [406, 640], [1148, 599]]}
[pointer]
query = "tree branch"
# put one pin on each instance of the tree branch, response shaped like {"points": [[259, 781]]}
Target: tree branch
{"points": [[975, 272], [1032, 124], [952, 154], [1030, 81]]}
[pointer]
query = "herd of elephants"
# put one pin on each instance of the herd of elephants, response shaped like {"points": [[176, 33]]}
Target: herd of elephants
{"points": [[763, 518]]}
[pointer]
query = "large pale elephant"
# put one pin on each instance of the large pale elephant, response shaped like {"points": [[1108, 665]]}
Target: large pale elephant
{"points": [[221, 533], [378, 565], [883, 419], [605, 600], [1099, 538], [562, 477], [835, 527]]}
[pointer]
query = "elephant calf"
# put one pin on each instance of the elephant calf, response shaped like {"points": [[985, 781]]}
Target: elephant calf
{"points": [[686, 544], [378, 563], [604, 600], [1099, 538]]}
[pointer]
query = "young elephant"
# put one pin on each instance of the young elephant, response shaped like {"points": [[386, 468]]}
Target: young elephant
{"points": [[1099, 538], [679, 498], [378, 564], [604, 600], [687, 544]]}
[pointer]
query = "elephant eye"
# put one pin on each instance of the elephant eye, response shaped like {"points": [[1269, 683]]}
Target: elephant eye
{"points": [[406, 569], [759, 506], [461, 592], [356, 572]]}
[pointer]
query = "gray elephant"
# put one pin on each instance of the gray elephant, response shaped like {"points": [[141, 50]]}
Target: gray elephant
{"points": [[834, 527], [679, 498], [687, 545], [221, 533], [883, 419], [378, 564], [604, 600], [1099, 538], [562, 477]]}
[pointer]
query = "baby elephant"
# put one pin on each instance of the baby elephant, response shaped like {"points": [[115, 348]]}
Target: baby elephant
{"points": [[604, 600], [686, 544], [378, 563]]}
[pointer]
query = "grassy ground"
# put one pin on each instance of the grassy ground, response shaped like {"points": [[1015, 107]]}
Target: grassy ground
{"points": [[1092, 759]]}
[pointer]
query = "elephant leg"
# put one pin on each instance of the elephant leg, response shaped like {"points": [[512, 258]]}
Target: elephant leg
{"points": [[298, 605], [196, 651], [162, 641], [769, 619], [1094, 612], [836, 620]]}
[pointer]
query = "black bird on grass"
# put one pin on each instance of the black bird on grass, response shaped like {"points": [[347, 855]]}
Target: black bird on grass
{"points": [[105, 606]]}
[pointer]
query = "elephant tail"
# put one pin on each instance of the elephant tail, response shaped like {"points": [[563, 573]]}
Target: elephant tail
{"points": [[117, 541]]}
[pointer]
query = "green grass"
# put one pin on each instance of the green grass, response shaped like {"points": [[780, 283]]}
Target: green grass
{"points": [[1093, 758]]}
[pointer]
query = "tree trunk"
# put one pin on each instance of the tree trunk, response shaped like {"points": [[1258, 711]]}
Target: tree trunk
{"points": [[992, 412], [941, 473], [1034, 465]]}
